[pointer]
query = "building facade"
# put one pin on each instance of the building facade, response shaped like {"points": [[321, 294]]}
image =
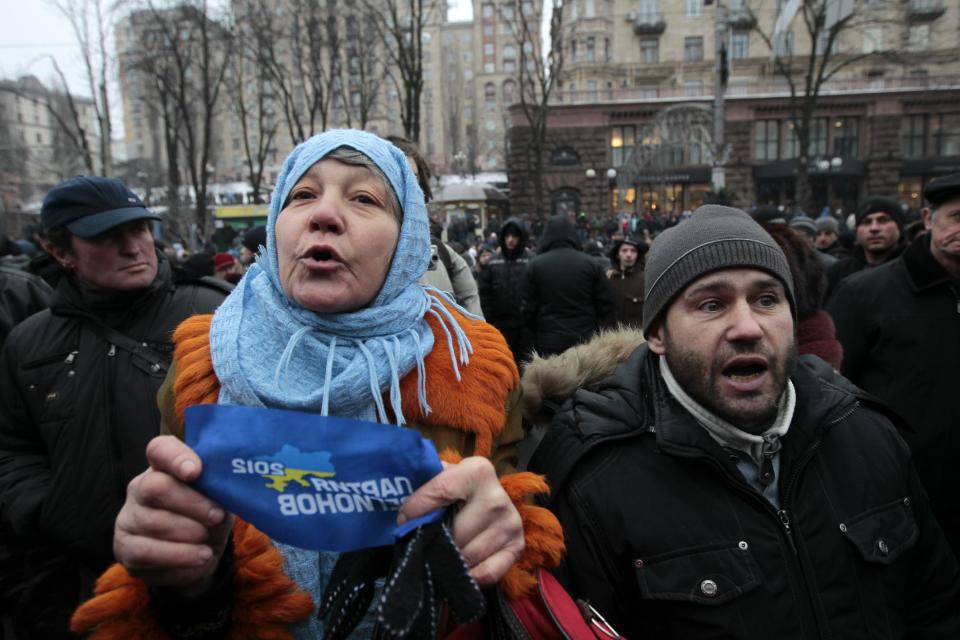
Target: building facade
{"points": [[39, 140], [631, 126]]}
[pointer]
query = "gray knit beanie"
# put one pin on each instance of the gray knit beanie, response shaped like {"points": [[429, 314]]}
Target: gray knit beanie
{"points": [[713, 238]]}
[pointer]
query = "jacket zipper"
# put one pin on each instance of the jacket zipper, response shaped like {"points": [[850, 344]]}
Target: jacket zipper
{"points": [[783, 515]]}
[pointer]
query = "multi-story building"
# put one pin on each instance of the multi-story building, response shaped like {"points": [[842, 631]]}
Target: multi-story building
{"points": [[38, 150], [631, 126]]}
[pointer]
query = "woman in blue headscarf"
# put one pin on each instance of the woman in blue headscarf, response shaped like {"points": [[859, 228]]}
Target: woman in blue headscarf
{"points": [[329, 320]]}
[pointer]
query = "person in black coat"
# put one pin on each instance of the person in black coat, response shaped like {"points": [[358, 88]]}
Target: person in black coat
{"points": [[626, 280], [899, 325], [565, 294], [879, 239], [78, 402], [21, 295], [500, 282], [715, 485]]}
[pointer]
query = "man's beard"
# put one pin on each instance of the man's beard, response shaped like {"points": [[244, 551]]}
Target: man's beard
{"points": [[701, 376]]}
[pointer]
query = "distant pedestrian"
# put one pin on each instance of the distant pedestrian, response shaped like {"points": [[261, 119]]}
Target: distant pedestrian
{"points": [[626, 280], [566, 297], [500, 283]]}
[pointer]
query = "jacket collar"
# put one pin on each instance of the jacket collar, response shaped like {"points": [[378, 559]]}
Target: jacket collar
{"points": [[823, 397], [923, 271]]}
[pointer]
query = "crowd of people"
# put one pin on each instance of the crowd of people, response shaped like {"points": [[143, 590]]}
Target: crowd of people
{"points": [[728, 424]]}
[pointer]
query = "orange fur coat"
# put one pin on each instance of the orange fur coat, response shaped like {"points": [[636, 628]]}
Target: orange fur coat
{"points": [[479, 415]]}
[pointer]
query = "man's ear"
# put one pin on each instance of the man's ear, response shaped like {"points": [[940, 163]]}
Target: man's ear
{"points": [[926, 214], [63, 256], [655, 338]]}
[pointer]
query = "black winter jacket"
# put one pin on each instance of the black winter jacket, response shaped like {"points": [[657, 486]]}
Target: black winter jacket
{"points": [[626, 288], [500, 282], [855, 262], [21, 295], [899, 325], [76, 413], [667, 540], [566, 296]]}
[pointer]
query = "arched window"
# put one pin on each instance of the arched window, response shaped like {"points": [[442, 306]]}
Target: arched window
{"points": [[509, 92], [564, 156], [565, 200], [489, 93]]}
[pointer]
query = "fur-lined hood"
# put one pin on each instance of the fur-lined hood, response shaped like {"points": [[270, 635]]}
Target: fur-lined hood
{"points": [[547, 382]]}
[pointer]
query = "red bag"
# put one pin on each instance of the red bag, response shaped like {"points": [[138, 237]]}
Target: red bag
{"points": [[549, 614]]}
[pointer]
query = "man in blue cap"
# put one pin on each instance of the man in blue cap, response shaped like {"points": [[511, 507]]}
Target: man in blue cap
{"points": [[78, 404]]}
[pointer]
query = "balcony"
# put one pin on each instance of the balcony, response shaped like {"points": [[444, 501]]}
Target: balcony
{"points": [[741, 19], [649, 24], [924, 10]]}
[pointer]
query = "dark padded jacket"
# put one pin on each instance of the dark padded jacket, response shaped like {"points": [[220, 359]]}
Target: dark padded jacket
{"points": [[566, 296], [76, 413], [667, 540], [854, 263], [899, 325], [21, 295], [501, 280]]}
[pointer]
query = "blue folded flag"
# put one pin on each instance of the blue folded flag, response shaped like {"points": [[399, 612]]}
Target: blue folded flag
{"points": [[311, 481]]}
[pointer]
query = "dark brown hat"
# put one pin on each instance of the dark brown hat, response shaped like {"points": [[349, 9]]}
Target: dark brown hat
{"points": [[941, 189]]}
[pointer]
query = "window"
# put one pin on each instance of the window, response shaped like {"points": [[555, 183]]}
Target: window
{"points": [[872, 39], [487, 10], [622, 141], [946, 134], [650, 50], [739, 45], [606, 49], [488, 49], [693, 48], [918, 37], [527, 8], [509, 92], [648, 92], [236, 143], [692, 88], [489, 67], [791, 145], [818, 137], [509, 66], [649, 11], [491, 125], [506, 11], [592, 89], [766, 140], [846, 137], [488, 29], [694, 8], [913, 136], [564, 156], [590, 49], [573, 49], [589, 9], [40, 138], [489, 93], [468, 74]]}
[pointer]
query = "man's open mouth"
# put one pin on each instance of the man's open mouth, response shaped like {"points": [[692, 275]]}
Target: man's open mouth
{"points": [[744, 372]]}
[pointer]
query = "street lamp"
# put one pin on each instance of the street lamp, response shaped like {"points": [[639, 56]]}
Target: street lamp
{"points": [[611, 174], [591, 173], [836, 162]]}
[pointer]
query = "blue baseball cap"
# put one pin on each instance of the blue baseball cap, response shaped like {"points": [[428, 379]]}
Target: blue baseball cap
{"points": [[90, 205]]}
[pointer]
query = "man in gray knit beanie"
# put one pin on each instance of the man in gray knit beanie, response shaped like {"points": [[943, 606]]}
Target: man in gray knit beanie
{"points": [[715, 484], [713, 238]]}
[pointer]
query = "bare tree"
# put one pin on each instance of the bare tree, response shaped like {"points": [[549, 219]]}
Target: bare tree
{"points": [[251, 96], [91, 24], [69, 126], [540, 66], [824, 23], [364, 68], [400, 26], [186, 55]]}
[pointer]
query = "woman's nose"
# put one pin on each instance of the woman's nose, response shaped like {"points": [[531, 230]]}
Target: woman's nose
{"points": [[326, 215]]}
